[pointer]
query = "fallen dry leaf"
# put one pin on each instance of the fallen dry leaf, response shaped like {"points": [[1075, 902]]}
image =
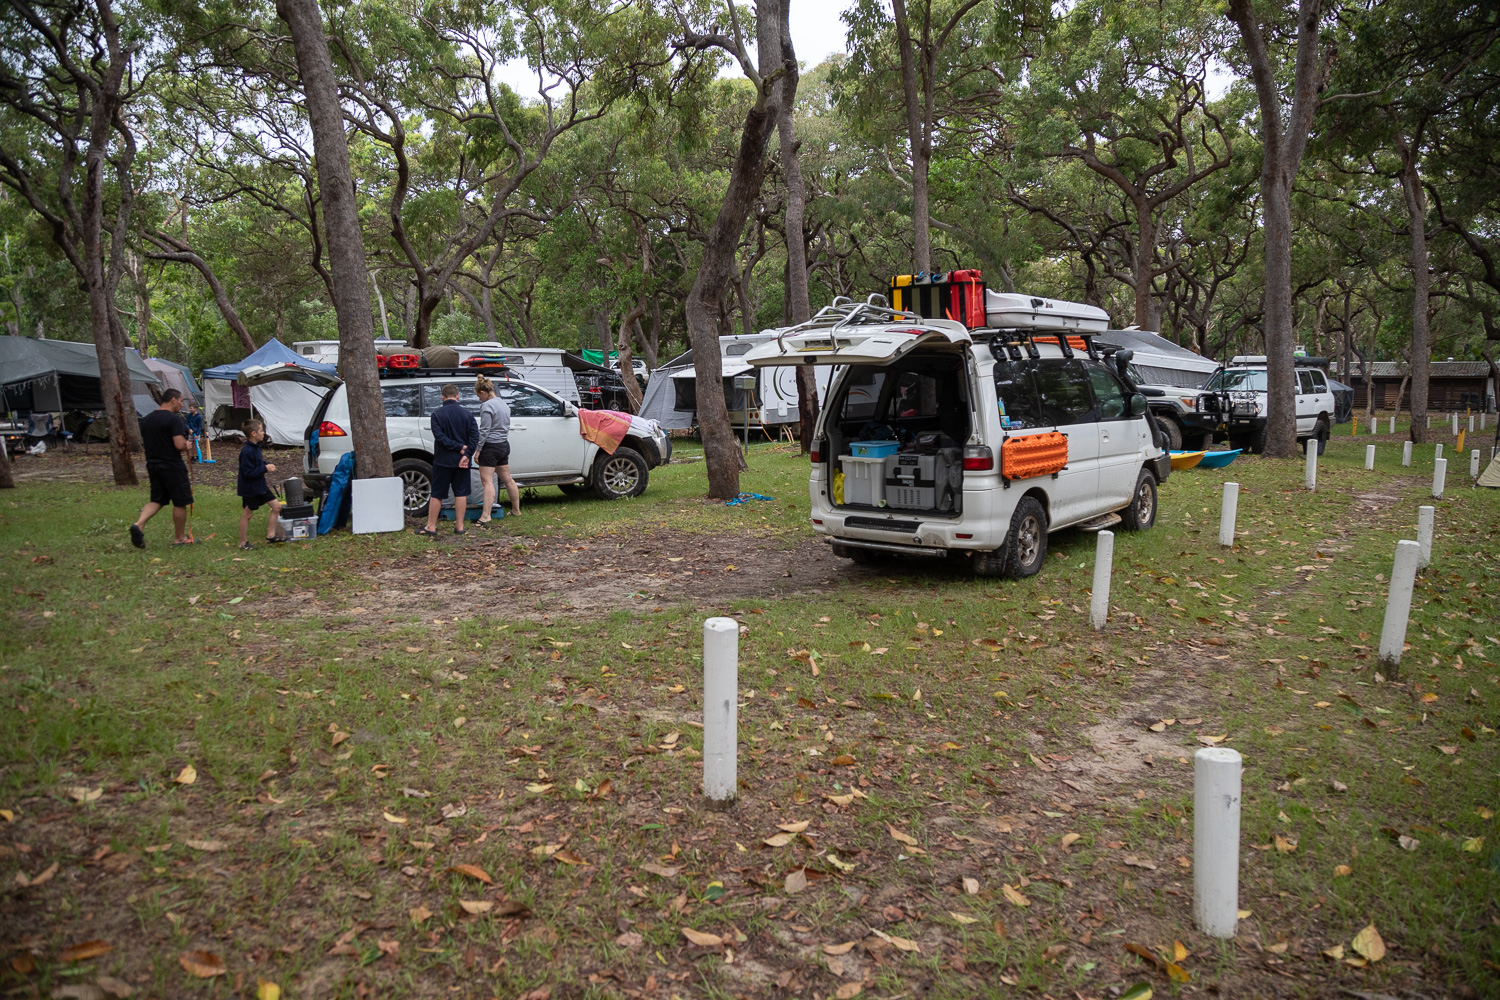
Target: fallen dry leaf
{"points": [[848, 991], [82, 793], [390, 947], [1014, 895], [85, 950], [474, 907], [419, 914], [1340, 871], [41, 878], [1336, 952], [115, 987], [796, 882], [839, 949], [472, 872], [778, 840], [267, 990], [897, 835], [971, 886], [1069, 839], [1369, 944], [1286, 845], [393, 818], [1408, 843], [963, 919], [701, 939], [203, 964], [630, 939], [569, 857], [187, 775], [901, 943], [797, 827], [210, 846], [1136, 862]]}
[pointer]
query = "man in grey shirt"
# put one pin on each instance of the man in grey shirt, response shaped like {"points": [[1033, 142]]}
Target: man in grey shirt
{"points": [[494, 449]]}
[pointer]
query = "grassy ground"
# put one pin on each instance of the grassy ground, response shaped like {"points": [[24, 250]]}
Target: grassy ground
{"points": [[957, 779]]}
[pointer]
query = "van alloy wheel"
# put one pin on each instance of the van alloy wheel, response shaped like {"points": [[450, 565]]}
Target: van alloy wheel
{"points": [[620, 475], [1141, 514], [416, 484], [1028, 539]]}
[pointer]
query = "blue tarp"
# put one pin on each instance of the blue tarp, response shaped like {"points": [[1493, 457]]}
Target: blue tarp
{"points": [[272, 352], [335, 510]]}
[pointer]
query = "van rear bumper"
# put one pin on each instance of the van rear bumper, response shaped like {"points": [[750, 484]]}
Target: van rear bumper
{"points": [[981, 527]]}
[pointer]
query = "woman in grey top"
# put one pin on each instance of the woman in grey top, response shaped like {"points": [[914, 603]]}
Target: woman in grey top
{"points": [[494, 449]]}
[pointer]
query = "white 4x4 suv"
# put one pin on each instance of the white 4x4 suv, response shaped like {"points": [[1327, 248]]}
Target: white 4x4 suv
{"points": [[1237, 396], [975, 442], [545, 446]]}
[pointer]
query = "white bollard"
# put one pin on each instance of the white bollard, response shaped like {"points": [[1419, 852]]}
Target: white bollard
{"points": [[1393, 425], [1374, 425], [1104, 557], [1471, 423], [1369, 458], [1474, 464], [1311, 476], [1398, 604], [1455, 423], [1437, 452], [1216, 840], [1228, 511], [1406, 454], [721, 684], [1482, 417], [1439, 476], [1426, 515]]}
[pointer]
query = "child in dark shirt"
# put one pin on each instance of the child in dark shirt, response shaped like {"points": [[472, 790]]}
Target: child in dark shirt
{"points": [[252, 488]]}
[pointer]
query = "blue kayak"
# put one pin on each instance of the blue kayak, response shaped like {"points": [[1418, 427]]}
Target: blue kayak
{"points": [[1218, 459]]}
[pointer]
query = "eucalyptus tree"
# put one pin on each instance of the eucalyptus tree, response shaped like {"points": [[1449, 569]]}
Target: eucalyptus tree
{"points": [[68, 74]]}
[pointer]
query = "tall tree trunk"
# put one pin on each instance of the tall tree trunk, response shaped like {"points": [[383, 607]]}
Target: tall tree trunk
{"points": [[605, 335], [627, 355], [1144, 262], [721, 451], [7, 481], [921, 149], [1283, 143], [142, 304], [799, 306], [114, 380], [409, 312], [385, 322], [346, 248], [1421, 332]]}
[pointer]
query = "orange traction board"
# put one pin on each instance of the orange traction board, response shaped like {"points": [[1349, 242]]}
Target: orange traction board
{"points": [[1033, 455]]}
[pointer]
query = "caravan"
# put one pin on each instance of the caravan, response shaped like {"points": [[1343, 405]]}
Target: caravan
{"points": [[672, 394]]}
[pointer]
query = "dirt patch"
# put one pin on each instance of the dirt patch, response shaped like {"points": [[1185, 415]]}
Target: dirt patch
{"points": [[72, 464], [536, 578]]}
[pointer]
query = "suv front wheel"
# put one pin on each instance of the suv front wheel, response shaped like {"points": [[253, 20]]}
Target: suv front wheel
{"points": [[416, 484], [620, 475], [1141, 514]]}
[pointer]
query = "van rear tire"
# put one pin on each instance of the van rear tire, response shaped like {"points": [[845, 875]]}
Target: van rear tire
{"points": [[1141, 514], [861, 556], [1025, 548]]}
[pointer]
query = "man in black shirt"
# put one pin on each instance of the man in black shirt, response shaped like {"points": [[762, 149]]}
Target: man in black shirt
{"points": [[164, 437]]}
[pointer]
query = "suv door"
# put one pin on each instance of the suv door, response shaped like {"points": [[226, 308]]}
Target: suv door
{"points": [[544, 438], [1067, 403], [1122, 438], [1307, 402]]}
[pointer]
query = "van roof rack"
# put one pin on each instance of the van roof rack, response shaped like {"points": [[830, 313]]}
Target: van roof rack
{"points": [[1013, 341], [503, 371]]}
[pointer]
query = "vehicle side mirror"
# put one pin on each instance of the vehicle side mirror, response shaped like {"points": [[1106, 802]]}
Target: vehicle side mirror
{"points": [[569, 410], [1137, 405]]}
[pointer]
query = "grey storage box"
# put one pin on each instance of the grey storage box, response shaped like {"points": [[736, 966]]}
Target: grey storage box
{"points": [[865, 479], [926, 482]]}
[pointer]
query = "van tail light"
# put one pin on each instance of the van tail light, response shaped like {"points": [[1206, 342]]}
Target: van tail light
{"points": [[329, 429], [978, 458], [816, 452]]}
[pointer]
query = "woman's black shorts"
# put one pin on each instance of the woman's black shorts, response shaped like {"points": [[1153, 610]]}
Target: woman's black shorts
{"points": [[493, 455]]}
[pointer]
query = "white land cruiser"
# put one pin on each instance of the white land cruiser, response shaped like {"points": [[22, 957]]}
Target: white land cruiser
{"points": [[1236, 399], [545, 446], [940, 440]]}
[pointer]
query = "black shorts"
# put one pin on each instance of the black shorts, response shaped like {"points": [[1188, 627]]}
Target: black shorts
{"points": [[492, 456], [257, 502], [446, 477], [170, 485]]}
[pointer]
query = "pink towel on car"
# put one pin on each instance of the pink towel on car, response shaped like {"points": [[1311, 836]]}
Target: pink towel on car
{"points": [[606, 428]]}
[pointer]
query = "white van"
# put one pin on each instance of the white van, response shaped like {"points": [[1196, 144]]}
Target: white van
{"points": [[940, 440]]}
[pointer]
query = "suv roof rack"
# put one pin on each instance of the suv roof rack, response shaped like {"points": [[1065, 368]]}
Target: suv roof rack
{"points": [[1014, 340], [1259, 360], [503, 371]]}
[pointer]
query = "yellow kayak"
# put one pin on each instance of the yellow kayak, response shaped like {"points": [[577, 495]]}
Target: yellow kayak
{"points": [[1185, 459]]}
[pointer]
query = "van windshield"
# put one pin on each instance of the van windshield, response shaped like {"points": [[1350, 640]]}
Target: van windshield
{"points": [[1246, 380]]}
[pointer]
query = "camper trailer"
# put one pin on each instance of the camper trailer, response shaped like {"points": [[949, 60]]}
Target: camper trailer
{"points": [[327, 351], [672, 394]]}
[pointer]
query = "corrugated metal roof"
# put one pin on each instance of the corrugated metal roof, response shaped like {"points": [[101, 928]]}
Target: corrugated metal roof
{"points": [[1438, 369]]}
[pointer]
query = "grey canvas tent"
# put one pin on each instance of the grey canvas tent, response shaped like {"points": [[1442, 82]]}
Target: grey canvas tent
{"points": [[175, 376], [52, 376]]}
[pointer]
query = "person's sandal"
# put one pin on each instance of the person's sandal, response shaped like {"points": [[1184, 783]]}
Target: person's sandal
{"points": [[425, 533], [137, 536], [484, 523], [277, 540], [460, 531], [246, 547]]}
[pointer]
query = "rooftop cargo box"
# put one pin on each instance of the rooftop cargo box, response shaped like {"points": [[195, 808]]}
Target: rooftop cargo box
{"points": [[1012, 311]]}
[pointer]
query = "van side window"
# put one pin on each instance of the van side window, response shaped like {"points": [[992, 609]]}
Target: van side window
{"points": [[1320, 383], [1107, 392], [1063, 387], [432, 397], [401, 400], [1017, 395], [1305, 377]]}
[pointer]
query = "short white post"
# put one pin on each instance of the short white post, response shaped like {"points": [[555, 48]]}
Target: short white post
{"points": [[1439, 476], [721, 684], [1438, 451], [1393, 425], [1455, 423], [1398, 604], [1471, 423], [1216, 840], [1406, 454], [1228, 511], [1426, 514], [1482, 418], [1474, 464], [1104, 557], [1369, 457], [1374, 425], [1312, 464]]}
